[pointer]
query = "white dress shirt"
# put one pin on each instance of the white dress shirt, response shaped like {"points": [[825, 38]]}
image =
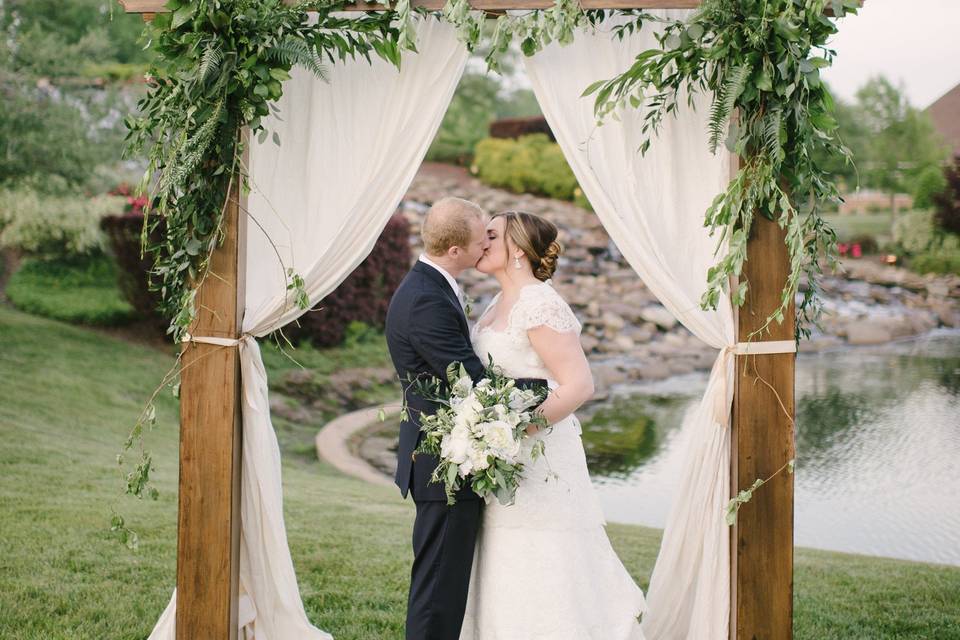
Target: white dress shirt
{"points": [[449, 278]]}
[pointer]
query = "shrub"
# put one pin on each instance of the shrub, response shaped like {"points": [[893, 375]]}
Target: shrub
{"points": [[868, 243], [53, 225], [132, 278], [530, 164], [929, 183], [947, 202], [518, 127], [77, 289], [913, 231], [942, 259], [364, 296]]}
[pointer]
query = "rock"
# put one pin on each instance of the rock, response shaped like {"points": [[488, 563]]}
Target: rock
{"points": [[946, 313], [588, 342], [623, 343], [675, 340], [658, 316], [613, 322], [867, 332], [938, 288], [607, 374], [593, 309], [654, 370]]}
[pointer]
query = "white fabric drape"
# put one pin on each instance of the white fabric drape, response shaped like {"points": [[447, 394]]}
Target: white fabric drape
{"points": [[653, 206], [349, 151]]}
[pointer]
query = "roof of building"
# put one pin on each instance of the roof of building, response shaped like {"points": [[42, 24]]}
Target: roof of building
{"points": [[945, 114]]}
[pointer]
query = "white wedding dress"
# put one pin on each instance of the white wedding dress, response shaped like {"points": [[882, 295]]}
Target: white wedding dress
{"points": [[543, 568]]}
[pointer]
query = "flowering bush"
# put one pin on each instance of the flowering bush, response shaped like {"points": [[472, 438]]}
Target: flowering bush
{"points": [[134, 204]]}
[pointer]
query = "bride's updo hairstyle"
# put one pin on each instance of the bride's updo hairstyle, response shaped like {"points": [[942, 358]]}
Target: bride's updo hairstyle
{"points": [[537, 238]]}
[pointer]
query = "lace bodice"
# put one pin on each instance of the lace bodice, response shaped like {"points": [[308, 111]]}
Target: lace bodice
{"points": [[538, 304]]}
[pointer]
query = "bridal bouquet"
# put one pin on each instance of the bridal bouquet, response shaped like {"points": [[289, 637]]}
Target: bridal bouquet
{"points": [[477, 431]]}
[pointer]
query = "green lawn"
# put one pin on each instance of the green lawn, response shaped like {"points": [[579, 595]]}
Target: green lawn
{"points": [[67, 398]]}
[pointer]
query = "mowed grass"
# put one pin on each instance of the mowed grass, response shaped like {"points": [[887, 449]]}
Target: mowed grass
{"points": [[67, 398]]}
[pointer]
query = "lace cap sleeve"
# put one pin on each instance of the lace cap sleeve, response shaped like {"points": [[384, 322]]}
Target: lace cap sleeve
{"points": [[544, 306]]}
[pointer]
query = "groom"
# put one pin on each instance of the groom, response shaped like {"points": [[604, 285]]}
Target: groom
{"points": [[426, 331]]}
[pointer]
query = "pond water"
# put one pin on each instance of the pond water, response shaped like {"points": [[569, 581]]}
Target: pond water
{"points": [[878, 448]]}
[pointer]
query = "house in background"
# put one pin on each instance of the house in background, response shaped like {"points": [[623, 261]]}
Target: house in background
{"points": [[945, 114]]}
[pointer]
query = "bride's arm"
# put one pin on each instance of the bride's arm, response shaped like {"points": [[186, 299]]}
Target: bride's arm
{"points": [[564, 358]]}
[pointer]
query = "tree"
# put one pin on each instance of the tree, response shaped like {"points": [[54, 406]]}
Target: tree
{"points": [[901, 141], [54, 121]]}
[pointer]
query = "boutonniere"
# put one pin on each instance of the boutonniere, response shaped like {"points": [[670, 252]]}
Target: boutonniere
{"points": [[467, 304]]}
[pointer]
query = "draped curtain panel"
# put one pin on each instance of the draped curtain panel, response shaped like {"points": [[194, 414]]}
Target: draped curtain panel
{"points": [[653, 207], [349, 150]]}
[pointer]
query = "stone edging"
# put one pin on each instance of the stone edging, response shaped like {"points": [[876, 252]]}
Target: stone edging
{"points": [[331, 444]]}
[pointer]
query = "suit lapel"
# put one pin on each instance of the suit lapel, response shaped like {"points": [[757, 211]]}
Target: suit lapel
{"points": [[437, 278]]}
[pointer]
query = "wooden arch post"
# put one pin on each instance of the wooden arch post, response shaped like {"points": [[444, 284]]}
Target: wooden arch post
{"points": [[761, 543]]}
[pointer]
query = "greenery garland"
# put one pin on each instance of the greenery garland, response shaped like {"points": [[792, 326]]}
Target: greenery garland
{"points": [[221, 63]]}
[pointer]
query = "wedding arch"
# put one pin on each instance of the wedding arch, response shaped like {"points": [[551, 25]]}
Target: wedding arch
{"points": [[338, 149]]}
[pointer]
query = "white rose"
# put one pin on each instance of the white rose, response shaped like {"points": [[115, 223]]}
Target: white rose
{"points": [[468, 411], [498, 436], [455, 446], [478, 457]]}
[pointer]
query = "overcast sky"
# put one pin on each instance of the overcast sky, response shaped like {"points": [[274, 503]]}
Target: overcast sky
{"points": [[916, 42]]}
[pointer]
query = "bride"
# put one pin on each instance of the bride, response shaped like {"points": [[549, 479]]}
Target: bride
{"points": [[543, 568]]}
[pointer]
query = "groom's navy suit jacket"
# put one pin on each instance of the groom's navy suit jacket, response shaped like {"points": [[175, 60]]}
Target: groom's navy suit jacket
{"points": [[426, 331]]}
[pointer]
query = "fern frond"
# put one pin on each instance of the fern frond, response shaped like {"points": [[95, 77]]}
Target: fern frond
{"points": [[209, 61], [293, 51], [724, 102], [771, 127]]}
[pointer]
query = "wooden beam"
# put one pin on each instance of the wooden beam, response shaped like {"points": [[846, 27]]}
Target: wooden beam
{"points": [[159, 6], [208, 523], [761, 561]]}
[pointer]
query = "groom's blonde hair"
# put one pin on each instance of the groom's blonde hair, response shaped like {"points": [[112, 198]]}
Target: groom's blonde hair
{"points": [[447, 224]]}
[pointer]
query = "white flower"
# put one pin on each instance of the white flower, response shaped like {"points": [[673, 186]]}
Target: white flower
{"points": [[461, 388], [455, 446], [478, 456], [522, 398], [498, 436], [467, 412]]}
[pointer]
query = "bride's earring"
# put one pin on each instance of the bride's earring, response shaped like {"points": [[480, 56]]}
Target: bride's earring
{"points": [[516, 262]]}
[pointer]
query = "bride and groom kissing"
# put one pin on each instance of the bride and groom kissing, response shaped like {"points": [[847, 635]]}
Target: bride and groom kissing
{"points": [[541, 568]]}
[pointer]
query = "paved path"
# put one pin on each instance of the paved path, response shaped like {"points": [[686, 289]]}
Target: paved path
{"points": [[331, 442]]}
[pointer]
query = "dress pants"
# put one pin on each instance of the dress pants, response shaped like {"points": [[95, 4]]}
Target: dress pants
{"points": [[443, 544]]}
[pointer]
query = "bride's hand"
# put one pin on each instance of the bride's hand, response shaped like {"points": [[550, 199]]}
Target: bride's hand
{"points": [[531, 429]]}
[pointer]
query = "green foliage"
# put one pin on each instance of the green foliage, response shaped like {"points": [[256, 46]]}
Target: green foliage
{"points": [[480, 99], [473, 107], [913, 232], [529, 164], [218, 68], [79, 290], [54, 121], [53, 225], [760, 59], [900, 142], [942, 259], [929, 183]]}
